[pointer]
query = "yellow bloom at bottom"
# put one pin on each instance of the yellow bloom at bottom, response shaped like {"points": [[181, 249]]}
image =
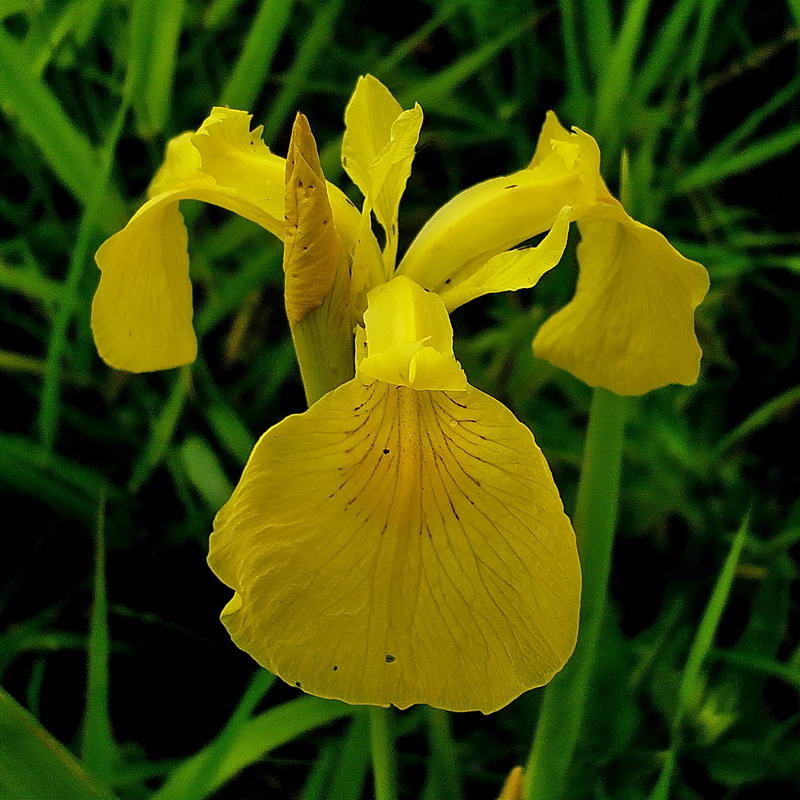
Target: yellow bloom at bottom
{"points": [[397, 546]]}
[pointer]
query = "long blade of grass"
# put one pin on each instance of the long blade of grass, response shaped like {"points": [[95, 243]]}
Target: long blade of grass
{"points": [[759, 419], [614, 83], [162, 431], [662, 49], [350, 771], [402, 49], [253, 741], [698, 652], [729, 144], [155, 30], [765, 149], [95, 208], [98, 748], [67, 151], [34, 766], [200, 783], [599, 32], [443, 763], [250, 71], [445, 81], [318, 36], [204, 470]]}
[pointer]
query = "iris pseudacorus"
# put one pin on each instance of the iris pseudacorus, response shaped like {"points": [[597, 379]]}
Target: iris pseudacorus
{"points": [[402, 541]]}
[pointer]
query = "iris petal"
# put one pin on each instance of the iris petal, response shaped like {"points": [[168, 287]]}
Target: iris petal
{"points": [[630, 325], [393, 546], [224, 163]]}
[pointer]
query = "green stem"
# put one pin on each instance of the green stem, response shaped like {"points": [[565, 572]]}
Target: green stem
{"points": [[382, 742], [562, 711], [444, 758]]}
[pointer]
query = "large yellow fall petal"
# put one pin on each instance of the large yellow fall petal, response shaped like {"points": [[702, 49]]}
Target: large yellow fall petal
{"points": [[630, 326], [393, 546], [224, 163]]}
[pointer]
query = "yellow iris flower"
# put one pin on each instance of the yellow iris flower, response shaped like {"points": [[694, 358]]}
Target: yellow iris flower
{"points": [[402, 541]]}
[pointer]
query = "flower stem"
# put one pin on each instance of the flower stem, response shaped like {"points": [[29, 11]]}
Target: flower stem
{"points": [[564, 701], [382, 743]]}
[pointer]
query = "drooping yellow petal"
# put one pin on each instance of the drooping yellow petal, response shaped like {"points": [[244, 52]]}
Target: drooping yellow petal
{"points": [[223, 163], [511, 270], [142, 309], [410, 339], [393, 546], [377, 152], [630, 326], [496, 215]]}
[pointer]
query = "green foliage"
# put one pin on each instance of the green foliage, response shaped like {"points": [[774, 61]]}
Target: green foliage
{"points": [[112, 480]]}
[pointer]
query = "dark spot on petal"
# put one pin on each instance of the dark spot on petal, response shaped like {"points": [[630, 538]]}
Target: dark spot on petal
{"points": [[335, 667], [512, 186], [449, 280], [298, 684], [389, 659], [299, 182], [324, 222], [344, 161]]}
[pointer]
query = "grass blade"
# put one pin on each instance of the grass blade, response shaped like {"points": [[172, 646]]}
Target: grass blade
{"points": [[252, 742], [697, 655], [318, 36], [162, 431], [759, 419], [155, 28], [350, 772], [200, 784], [98, 749], [250, 72], [614, 84], [203, 469], [67, 151], [709, 172], [95, 208], [34, 766]]}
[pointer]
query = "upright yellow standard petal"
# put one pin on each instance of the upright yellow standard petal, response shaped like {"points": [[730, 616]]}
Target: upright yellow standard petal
{"points": [[368, 121], [377, 152], [630, 326], [410, 339], [136, 327], [393, 546]]}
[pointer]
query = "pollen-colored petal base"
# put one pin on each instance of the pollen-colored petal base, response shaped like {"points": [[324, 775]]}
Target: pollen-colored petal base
{"points": [[630, 326], [393, 546]]}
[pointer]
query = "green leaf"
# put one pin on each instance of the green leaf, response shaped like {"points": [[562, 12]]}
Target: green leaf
{"points": [[252, 742], [155, 28], [34, 766], [203, 469], [98, 748], [765, 149], [250, 71], [162, 430], [699, 650], [67, 151]]}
